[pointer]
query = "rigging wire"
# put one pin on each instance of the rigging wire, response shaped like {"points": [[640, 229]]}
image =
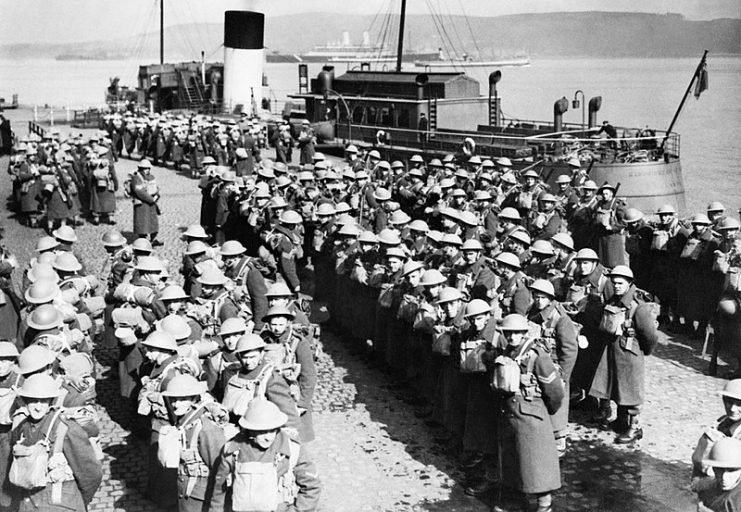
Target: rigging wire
{"points": [[444, 39], [454, 28], [470, 29]]}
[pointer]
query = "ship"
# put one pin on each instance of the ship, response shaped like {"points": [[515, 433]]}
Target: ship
{"points": [[402, 113], [466, 61], [344, 51]]}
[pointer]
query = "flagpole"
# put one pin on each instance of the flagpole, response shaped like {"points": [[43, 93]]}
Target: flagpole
{"points": [[684, 98]]}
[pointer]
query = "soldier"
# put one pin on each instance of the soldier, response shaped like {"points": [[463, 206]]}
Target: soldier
{"points": [[306, 142], [472, 275], [215, 303], [667, 243], [559, 333], [103, 186], [628, 327], [286, 243], [264, 452], [530, 390], [145, 195], [513, 294], [246, 273], [609, 227], [199, 442], [73, 474], [725, 494], [225, 361], [289, 349]]}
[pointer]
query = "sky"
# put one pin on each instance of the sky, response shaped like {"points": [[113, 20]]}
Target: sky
{"points": [[65, 21]]}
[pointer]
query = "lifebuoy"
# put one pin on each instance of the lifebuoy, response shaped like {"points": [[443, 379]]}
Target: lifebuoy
{"points": [[469, 146], [382, 137]]}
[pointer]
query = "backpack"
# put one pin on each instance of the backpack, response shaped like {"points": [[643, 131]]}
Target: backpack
{"points": [[240, 392]]}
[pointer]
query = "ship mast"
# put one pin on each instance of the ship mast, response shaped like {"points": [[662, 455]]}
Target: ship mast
{"points": [[400, 48], [162, 32]]}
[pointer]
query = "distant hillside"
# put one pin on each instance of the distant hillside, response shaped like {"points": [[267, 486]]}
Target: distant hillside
{"points": [[580, 34]]}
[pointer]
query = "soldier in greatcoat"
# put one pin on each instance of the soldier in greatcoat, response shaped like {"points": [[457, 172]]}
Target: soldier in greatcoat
{"points": [[145, 195]]}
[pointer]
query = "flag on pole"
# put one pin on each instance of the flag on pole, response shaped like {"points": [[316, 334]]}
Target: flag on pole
{"points": [[702, 80]]}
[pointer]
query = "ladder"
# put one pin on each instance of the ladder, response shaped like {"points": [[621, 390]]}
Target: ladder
{"points": [[432, 114]]}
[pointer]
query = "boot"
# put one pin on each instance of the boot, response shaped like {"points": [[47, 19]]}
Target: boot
{"points": [[602, 418], [633, 433], [545, 503], [480, 488]]}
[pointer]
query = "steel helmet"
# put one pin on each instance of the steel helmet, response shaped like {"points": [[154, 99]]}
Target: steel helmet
{"points": [[419, 225], [146, 164], [504, 162], [461, 173], [232, 248], [65, 233], [508, 177], [352, 148], [175, 325], [325, 209], [262, 190], [416, 158], [277, 202], [416, 171], [510, 214], [729, 223], [543, 286], [266, 173], [46, 243], [469, 218], [345, 218], [622, 271], [475, 159], [43, 271], [435, 236], [477, 307], [521, 236], [396, 252], [142, 245], [732, 389], [41, 292], [449, 294], [212, 277], [113, 239], [77, 364], [388, 237], [262, 415], [447, 183], [305, 176], [173, 292], [725, 453], [716, 206], [350, 229], [508, 259], [432, 277], [195, 231], [435, 162], [40, 385], [447, 211], [412, 266], [290, 217], [608, 186], [248, 342], [587, 254], [633, 215], [183, 385], [382, 194], [399, 217], [161, 340], [279, 310], [589, 185], [44, 317], [383, 164], [8, 350], [482, 195], [67, 262], [543, 247], [196, 247], [367, 237], [148, 264], [667, 209], [530, 174], [233, 325], [279, 289], [396, 164], [515, 322], [282, 182], [318, 157], [487, 164], [33, 358], [547, 198], [46, 258], [472, 245], [574, 162], [701, 219], [342, 207], [563, 179], [451, 239]]}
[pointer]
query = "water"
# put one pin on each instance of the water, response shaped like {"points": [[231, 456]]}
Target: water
{"points": [[635, 93]]}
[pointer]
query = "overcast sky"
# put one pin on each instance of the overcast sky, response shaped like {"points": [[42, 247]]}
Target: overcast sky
{"points": [[62, 21]]}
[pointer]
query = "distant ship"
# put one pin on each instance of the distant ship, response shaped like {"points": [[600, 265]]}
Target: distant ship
{"points": [[90, 56], [345, 52], [465, 61]]}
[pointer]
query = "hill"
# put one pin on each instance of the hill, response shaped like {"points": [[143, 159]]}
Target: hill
{"points": [[573, 34]]}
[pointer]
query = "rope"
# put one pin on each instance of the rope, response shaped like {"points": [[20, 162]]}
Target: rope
{"points": [[470, 29]]}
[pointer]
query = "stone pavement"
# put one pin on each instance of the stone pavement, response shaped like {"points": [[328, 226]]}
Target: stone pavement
{"points": [[372, 453]]}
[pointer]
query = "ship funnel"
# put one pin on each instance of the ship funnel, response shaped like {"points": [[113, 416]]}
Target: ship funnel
{"points": [[366, 39], [495, 77], [421, 80], [243, 60], [594, 105], [346, 38], [325, 79], [559, 108]]}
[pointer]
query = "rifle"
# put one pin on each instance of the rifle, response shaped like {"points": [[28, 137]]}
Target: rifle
{"points": [[62, 186]]}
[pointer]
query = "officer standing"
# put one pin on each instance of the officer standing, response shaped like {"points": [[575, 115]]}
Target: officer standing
{"points": [[145, 195]]}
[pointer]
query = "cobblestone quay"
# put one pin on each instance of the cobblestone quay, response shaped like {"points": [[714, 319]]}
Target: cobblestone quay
{"points": [[372, 453]]}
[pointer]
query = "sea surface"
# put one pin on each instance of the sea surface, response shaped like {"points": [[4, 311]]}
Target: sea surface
{"points": [[635, 93]]}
